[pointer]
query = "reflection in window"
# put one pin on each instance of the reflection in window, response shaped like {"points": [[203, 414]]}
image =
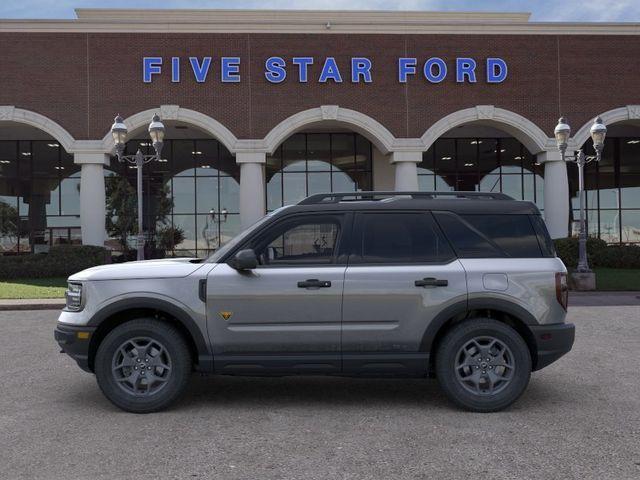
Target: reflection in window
{"points": [[484, 165], [308, 163], [612, 191], [39, 196], [191, 197]]}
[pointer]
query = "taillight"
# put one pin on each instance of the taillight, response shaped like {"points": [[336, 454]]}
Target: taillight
{"points": [[562, 289]]}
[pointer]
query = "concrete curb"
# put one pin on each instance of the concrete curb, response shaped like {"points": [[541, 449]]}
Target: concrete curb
{"points": [[32, 304]]}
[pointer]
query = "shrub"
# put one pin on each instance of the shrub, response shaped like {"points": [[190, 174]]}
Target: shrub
{"points": [[61, 261], [567, 250]]}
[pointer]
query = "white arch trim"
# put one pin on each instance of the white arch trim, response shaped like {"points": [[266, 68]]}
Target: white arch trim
{"points": [[531, 136], [10, 113], [382, 138], [177, 113], [621, 114]]}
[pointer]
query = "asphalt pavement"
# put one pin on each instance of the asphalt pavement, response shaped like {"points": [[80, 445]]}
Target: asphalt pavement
{"points": [[579, 418]]}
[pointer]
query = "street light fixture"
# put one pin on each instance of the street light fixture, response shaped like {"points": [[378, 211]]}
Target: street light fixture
{"points": [[156, 132], [598, 132]]}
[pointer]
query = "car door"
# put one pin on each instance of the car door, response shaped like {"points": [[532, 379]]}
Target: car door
{"points": [[284, 315], [402, 272]]}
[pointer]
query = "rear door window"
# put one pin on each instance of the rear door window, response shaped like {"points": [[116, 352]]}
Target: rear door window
{"points": [[400, 238]]}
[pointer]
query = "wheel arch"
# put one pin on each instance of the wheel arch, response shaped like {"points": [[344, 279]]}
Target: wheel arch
{"points": [[504, 311], [122, 311]]}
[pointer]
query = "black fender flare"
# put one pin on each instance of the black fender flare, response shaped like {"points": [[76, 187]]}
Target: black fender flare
{"points": [[205, 358], [465, 306]]}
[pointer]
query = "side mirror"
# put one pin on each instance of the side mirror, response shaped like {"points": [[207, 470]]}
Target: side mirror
{"points": [[244, 260]]}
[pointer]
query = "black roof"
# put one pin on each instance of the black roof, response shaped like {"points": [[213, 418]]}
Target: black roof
{"points": [[457, 202]]}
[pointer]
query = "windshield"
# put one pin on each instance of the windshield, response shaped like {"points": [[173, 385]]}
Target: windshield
{"points": [[239, 238]]}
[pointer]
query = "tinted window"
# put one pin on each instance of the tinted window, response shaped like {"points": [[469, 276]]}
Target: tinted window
{"points": [[544, 240], [514, 234], [491, 235], [300, 242], [401, 238], [466, 239]]}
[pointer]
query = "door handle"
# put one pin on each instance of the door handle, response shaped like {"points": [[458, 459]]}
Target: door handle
{"points": [[314, 283], [431, 282]]}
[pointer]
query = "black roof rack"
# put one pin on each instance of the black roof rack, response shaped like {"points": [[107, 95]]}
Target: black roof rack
{"points": [[359, 196]]}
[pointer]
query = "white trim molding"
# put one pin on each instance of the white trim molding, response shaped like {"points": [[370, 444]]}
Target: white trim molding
{"points": [[373, 130], [621, 114], [10, 113], [523, 129], [180, 114]]}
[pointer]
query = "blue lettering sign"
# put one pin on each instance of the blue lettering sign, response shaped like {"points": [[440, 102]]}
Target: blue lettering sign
{"points": [[175, 69], [150, 66], [360, 67], [200, 71], [428, 70], [465, 67], [330, 71], [406, 66], [303, 66], [496, 70], [230, 69], [275, 69]]}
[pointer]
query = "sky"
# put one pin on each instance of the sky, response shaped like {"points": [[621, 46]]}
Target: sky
{"points": [[542, 10]]}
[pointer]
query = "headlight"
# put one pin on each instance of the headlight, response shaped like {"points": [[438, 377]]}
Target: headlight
{"points": [[74, 297]]}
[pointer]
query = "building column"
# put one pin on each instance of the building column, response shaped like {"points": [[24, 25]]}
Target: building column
{"points": [[252, 191], [92, 197], [406, 165], [556, 194]]}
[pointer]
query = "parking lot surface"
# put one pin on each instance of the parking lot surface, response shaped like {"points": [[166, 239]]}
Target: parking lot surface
{"points": [[579, 418]]}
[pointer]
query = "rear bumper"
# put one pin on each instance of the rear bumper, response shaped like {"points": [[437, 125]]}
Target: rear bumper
{"points": [[552, 342], [74, 341]]}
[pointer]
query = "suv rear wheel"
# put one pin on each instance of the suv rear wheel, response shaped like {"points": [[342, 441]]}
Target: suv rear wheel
{"points": [[483, 365], [143, 365]]}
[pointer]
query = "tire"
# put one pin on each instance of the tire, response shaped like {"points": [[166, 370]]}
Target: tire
{"points": [[474, 383], [133, 353]]}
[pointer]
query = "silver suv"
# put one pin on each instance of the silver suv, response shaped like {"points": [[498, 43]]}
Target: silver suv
{"points": [[462, 286]]}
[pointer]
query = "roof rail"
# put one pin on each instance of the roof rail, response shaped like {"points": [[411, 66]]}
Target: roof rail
{"points": [[359, 196]]}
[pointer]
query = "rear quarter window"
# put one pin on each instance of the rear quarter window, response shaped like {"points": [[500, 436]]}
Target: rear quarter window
{"points": [[493, 235]]}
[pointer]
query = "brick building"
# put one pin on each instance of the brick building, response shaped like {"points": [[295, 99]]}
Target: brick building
{"points": [[265, 107]]}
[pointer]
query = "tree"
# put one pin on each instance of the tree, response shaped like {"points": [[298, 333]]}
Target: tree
{"points": [[122, 211]]}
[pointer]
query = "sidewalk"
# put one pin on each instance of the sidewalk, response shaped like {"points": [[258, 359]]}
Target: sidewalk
{"points": [[576, 299]]}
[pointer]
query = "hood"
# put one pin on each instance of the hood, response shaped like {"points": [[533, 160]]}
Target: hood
{"points": [[165, 268]]}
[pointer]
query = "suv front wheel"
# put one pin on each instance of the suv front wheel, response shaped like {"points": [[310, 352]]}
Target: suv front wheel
{"points": [[143, 365], [483, 365]]}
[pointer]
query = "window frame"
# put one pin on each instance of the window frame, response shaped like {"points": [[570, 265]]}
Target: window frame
{"points": [[355, 253]]}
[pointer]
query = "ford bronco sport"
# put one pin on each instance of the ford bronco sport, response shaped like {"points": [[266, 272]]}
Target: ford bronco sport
{"points": [[462, 286]]}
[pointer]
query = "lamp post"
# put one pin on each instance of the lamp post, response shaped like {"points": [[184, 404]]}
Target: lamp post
{"points": [[598, 132], [156, 132]]}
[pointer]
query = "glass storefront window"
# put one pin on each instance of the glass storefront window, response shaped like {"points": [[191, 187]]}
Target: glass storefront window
{"points": [[39, 196], [308, 163], [191, 189], [482, 164], [612, 191]]}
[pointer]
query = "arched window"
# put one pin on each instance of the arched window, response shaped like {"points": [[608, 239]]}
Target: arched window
{"points": [[308, 163], [191, 196]]}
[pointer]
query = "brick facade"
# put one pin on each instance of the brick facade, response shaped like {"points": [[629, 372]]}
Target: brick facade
{"points": [[80, 80]]}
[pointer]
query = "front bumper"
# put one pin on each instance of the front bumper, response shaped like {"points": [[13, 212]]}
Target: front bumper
{"points": [[75, 341], [552, 342]]}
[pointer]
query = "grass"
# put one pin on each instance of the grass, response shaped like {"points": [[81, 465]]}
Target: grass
{"points": [[607, 279], [617, 279], [33, 288]]}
